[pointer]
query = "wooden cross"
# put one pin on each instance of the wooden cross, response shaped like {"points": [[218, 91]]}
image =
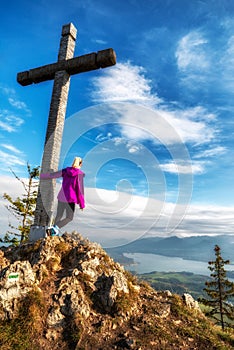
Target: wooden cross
{"points": [[60, 72]]}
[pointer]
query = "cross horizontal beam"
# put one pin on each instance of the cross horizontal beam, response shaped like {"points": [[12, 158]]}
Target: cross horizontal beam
{"points": [[80, 64]]}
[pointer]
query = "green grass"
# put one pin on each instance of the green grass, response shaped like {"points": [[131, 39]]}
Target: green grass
{"points": [[177, 282]]}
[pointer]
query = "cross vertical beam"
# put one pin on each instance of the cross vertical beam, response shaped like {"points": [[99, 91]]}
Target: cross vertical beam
{"points": [[60, 71], [53, 140]]}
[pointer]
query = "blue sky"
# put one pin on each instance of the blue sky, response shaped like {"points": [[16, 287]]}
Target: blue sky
{"points": [[155, 131]]}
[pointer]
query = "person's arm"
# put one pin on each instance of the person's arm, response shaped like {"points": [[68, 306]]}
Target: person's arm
{"points": [[81, 191], [54, 175]]}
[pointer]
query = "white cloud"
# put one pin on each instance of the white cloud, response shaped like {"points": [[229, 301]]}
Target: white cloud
{"points": [[13, 100], [11, 148], [191, 52], [131, 146], [212, 152], [190, 124], [9, 185], [227, 64], [202, 65], [124, 82], [10, 122], [165, 125], [6, 127], [100, 41], [229, 55], [10, 156], [207, 220], [197, 113], [173, 168], [113, 218], [14, 120], [8, 160], [17, 104], [133, 149], [136, 129], [103, 137], [6, 90], [195, 61]]}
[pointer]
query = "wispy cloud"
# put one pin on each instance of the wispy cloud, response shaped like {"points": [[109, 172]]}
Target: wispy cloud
{"points": [[10, 122], [10, 117], [7, 90], [9, 160], [191, 52], [100, 41], [167, 125], [129, 217], [131, 146], [196, 168], [227, 64], [10, 156], [13, 99], [191, 124], [212, 152], [17, 104], [6, 127], [230, 51], [102, 137], [201, 64], [125, 83], [11, 148], [207, 220]]}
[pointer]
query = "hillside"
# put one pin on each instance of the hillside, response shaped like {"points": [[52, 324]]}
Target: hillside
{"points": [[66, 293], [200, 248], [177, 282]]}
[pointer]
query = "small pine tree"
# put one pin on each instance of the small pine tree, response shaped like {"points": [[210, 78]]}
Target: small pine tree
{"points": [[22, 208], [219, 290]]}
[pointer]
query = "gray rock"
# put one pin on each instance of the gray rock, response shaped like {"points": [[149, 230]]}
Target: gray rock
{"points": [[190, 302], [16, 280]]}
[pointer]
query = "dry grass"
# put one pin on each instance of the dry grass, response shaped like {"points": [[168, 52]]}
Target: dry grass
{"points": [[24, 331]]}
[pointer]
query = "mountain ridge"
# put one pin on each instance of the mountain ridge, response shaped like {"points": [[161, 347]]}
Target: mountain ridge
{"points": [[198, 248], [67, 293]]}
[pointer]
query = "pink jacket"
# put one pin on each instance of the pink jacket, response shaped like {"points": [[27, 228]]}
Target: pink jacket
{"points": [[72, 190]]}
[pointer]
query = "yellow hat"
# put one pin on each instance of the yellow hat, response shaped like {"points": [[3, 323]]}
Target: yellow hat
{"points": [[77, 162]]}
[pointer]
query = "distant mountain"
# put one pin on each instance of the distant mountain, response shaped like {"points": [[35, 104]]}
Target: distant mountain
{"points": [[200, 248]]}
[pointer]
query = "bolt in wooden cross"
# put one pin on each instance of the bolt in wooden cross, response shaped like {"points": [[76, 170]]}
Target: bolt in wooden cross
{"points": [[60, 72]]}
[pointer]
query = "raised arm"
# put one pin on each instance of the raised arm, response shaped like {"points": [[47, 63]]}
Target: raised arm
{"points": [[54, 175]]}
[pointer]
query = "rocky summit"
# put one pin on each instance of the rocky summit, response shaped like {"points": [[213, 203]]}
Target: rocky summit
{"points": [[67, 293]]}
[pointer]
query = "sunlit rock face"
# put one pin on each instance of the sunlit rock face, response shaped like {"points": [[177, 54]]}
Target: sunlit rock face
{"points": [[67, 293]]}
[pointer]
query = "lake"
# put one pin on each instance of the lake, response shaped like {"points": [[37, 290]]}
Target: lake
{"points": [[145, 263]]}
